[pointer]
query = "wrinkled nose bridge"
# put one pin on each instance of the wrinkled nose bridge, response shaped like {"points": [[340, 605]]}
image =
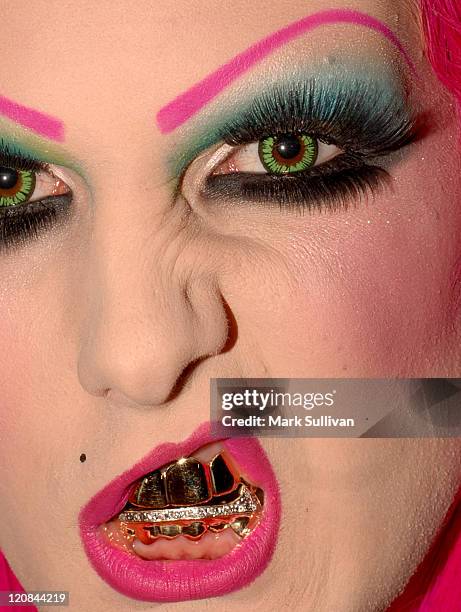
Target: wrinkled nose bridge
{"points": [[152, 312]]}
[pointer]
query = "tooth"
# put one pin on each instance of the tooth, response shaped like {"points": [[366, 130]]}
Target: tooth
{"points": [[218, 527], [170, 531], [222, 478], [153, 531], [129, 531], [240, 526], [256, 490], [244, 503], [186, 483], [150, 492], [194, 530], [260, 495]]}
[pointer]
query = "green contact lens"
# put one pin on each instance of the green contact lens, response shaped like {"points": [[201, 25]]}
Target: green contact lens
{"points": [[16, 186], [288, 153]]}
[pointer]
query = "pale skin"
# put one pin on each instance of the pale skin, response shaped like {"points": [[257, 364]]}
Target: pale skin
{"points": [[101, 316]]}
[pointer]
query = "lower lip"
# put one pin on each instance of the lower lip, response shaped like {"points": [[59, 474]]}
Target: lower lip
{"points": [[169, 581]]}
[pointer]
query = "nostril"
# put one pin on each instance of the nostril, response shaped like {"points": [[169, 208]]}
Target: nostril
{"points": [[232, 327], [144, 387], [118, 399], [183, 379]]}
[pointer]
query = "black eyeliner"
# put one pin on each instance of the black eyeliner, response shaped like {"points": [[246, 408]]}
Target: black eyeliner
{"points": [[331, 191], [365, 119], [24, 222], [359, 114], [14, 157], [21, 224]]}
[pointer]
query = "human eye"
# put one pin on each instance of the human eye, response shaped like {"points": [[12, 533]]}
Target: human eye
{"points": [[281, 154], [315, 144], [32, 197]]}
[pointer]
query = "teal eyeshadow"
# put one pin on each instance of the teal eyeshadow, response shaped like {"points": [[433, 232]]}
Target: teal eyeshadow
{"points": [[39, 154], [325, 94]]}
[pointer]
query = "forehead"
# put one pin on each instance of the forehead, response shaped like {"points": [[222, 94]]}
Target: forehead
{"points": [[91, 63]]}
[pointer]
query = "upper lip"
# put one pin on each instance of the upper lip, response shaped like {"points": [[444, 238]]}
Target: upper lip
{"points": [[112, 498]]}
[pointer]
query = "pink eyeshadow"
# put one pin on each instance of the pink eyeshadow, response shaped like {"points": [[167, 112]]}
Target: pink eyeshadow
{"points": [[38, 122]]}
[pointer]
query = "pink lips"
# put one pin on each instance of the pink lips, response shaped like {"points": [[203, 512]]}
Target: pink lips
{"points": [[162, 581]]}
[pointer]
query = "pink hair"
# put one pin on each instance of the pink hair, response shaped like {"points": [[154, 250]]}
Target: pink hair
{"points": [[441, 20], [436, 585]]}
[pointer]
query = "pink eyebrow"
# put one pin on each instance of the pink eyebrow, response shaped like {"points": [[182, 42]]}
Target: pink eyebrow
{"points": [[192, 100], [38, 122]]}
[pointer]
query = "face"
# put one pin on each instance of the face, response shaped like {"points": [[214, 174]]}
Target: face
{"points": [[155, 265]]}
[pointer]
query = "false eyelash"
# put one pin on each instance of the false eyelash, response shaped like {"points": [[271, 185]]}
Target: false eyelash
{"points": [[19, 225], [330, 192], [358, 115], [366, 120], [26, 222], [330, 186], [11, 157]]}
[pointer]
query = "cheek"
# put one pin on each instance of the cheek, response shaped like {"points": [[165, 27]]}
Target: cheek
{"points": [[396, 263], [19, 375], [365, 508], [31, 381], [367, 291], [24, 438]]}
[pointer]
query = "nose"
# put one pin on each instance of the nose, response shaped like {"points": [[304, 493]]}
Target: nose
{"points": [[153, 308]]}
